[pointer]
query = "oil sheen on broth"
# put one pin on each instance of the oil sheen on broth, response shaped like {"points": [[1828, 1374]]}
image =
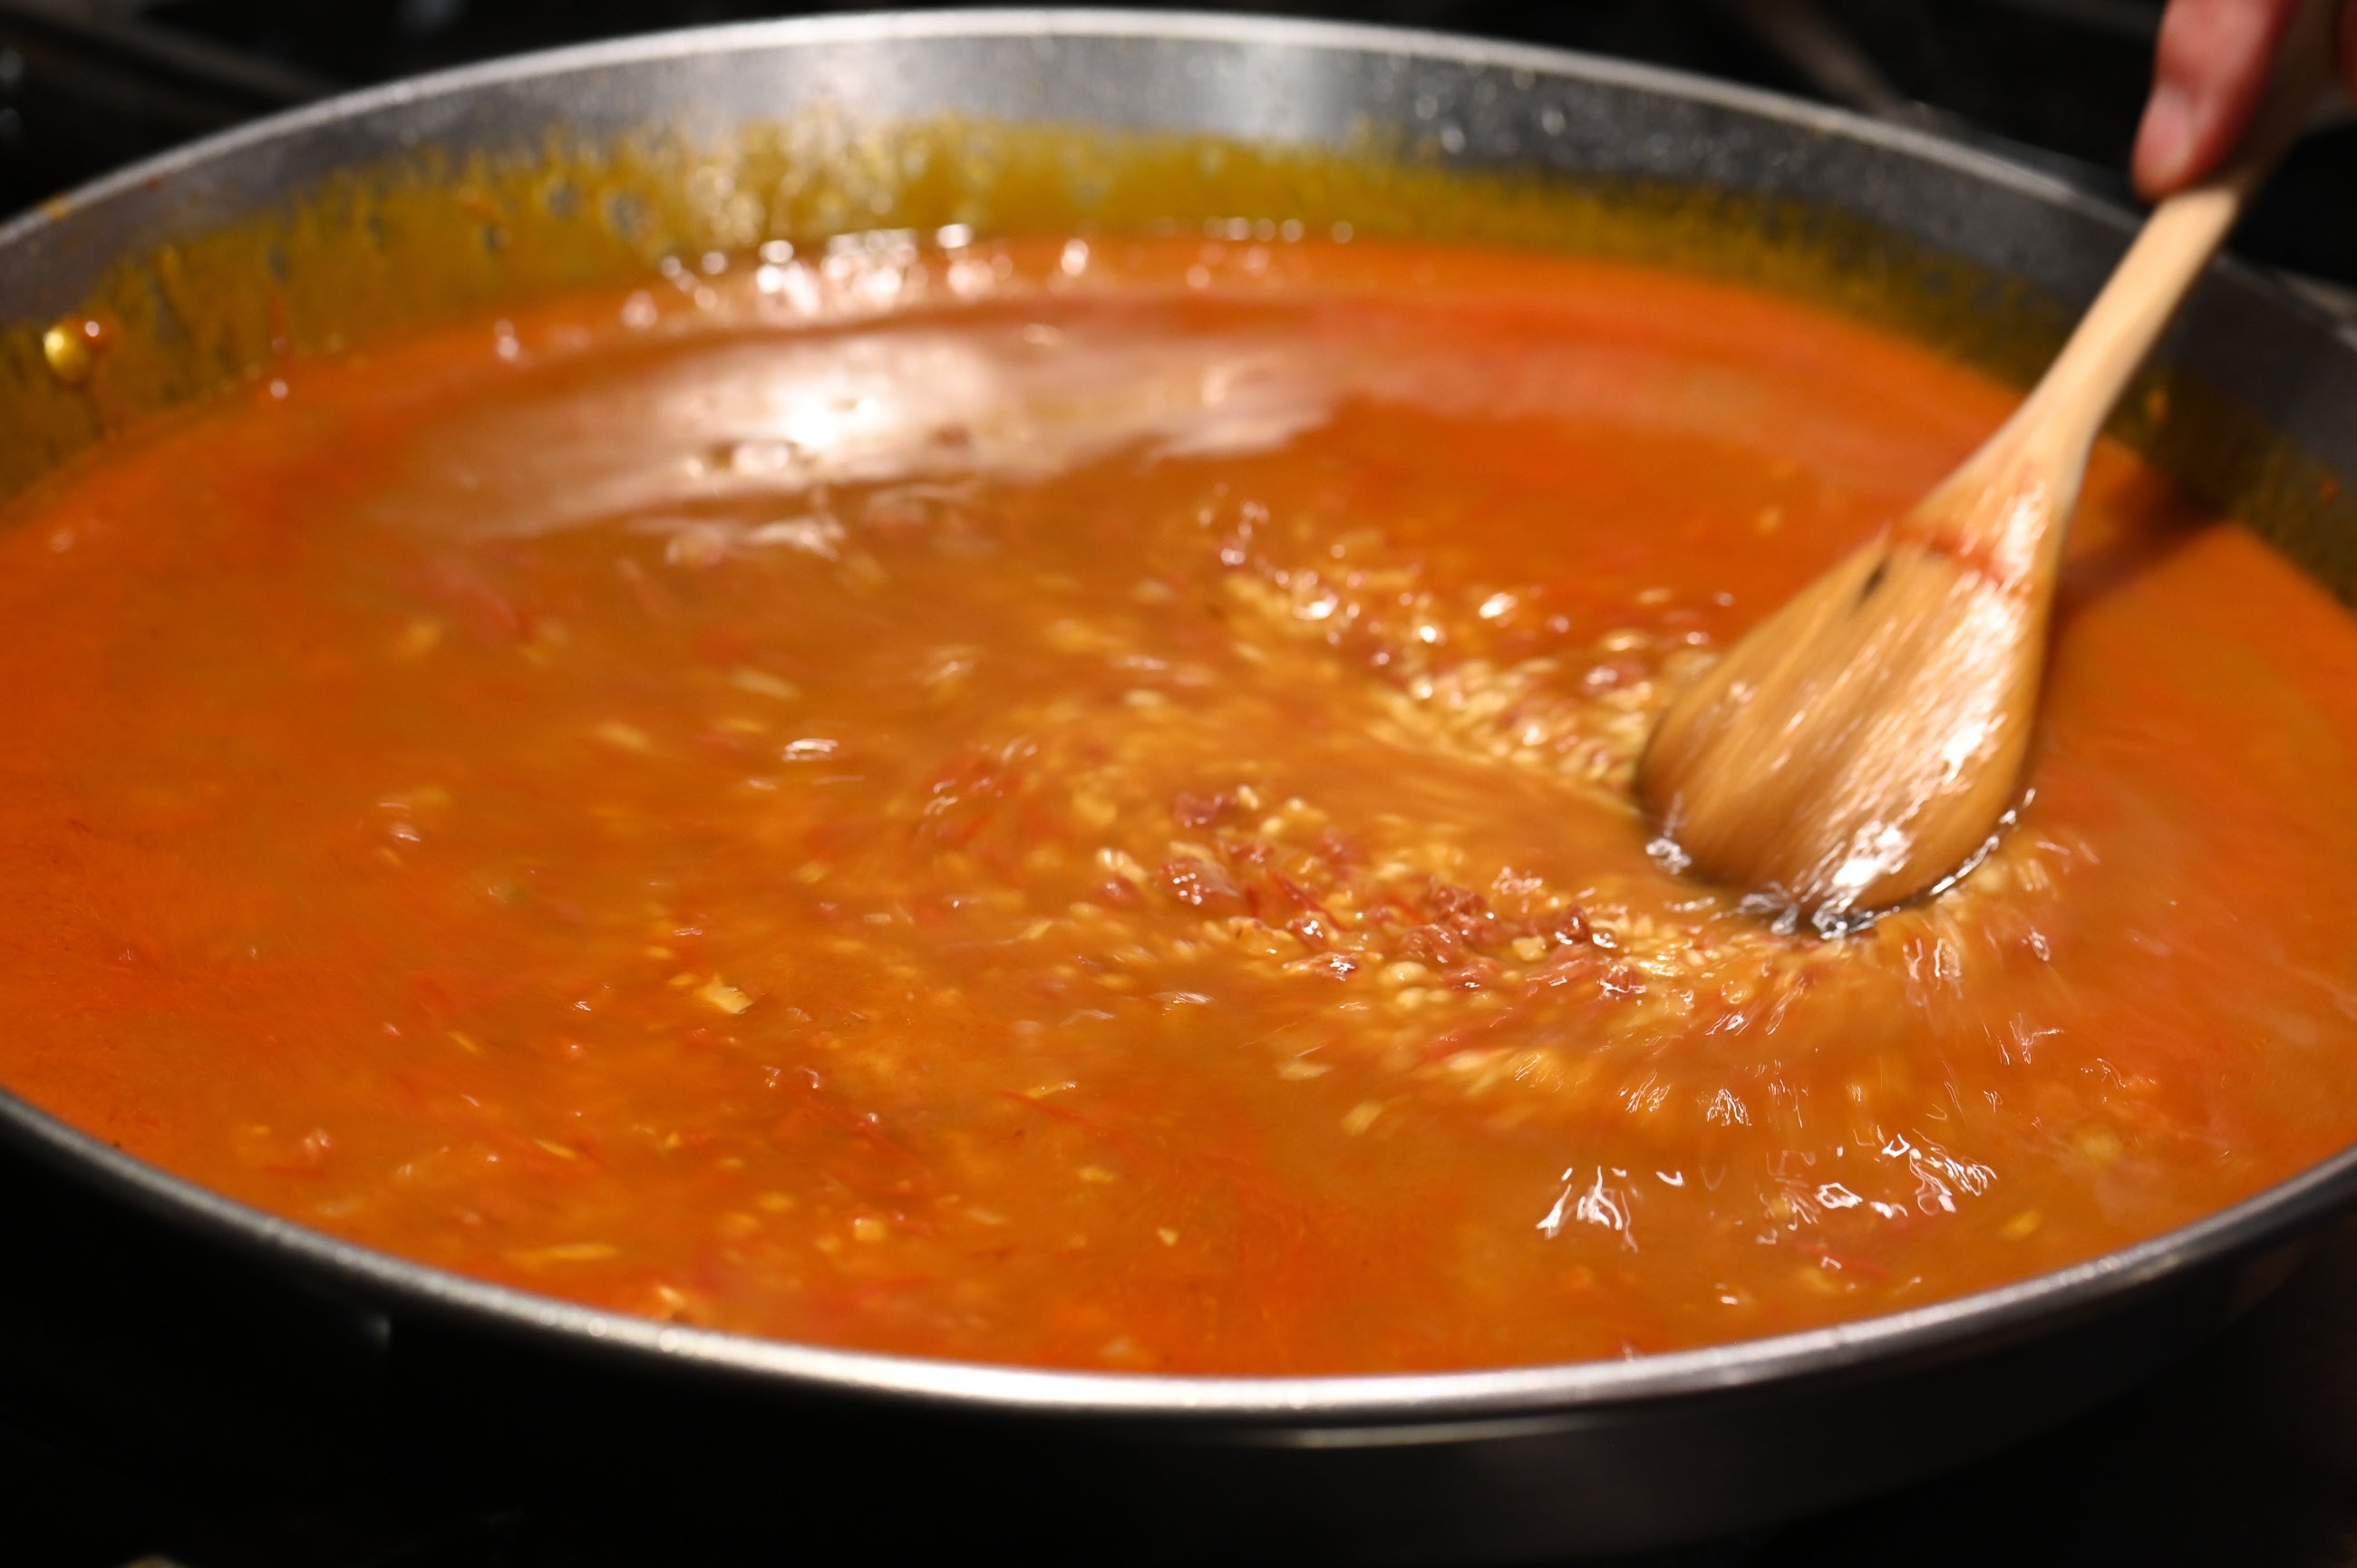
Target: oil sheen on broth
{"points": [[1068, 804]]}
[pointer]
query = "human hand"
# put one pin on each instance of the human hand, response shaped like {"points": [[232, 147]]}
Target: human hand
{"points": [[2212, 64]]}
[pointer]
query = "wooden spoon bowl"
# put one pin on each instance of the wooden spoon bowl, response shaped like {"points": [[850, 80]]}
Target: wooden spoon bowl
{"points": [[1863, 745]]}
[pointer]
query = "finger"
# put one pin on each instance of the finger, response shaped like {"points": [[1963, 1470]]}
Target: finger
{"points": [[2211, 63]]}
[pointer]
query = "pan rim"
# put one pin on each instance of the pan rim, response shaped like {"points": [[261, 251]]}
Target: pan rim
{"points": [[1458, 1400]]}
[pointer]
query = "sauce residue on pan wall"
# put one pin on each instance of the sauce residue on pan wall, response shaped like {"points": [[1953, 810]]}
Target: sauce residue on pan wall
{"points": [[384, 248], [1066, 802]]}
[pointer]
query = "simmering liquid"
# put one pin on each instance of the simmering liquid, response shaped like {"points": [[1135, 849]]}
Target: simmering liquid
{"points": [[1069, 804]]}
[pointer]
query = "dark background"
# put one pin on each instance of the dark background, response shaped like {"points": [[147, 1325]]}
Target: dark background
{"points": [[113, 1447]]}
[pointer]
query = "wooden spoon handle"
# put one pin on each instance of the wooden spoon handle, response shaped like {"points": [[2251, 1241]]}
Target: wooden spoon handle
{"points": [[2176, 243]]}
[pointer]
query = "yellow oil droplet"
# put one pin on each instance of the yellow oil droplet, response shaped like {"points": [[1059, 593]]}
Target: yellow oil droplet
{"points": [[417, 639], [765, 685], [2019, 1226], [567, 1252], [2100, 1144], [623, 736], [71, 346], [725, 997]]}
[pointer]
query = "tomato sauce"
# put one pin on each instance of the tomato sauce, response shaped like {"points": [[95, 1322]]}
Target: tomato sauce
{"points": [[1068, 803]]}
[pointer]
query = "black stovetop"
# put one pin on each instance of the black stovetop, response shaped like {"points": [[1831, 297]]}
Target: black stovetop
{"points": [[124, 1434], [152, 1416]]}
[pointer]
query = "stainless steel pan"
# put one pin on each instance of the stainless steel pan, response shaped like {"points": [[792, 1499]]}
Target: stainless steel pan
{"points": [[801, 1442]]}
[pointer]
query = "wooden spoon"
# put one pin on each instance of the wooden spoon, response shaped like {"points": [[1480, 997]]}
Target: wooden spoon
{"points": [[1860, 746]]}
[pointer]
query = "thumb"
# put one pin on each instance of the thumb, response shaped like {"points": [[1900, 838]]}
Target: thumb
{"points": [[2210, 67]]}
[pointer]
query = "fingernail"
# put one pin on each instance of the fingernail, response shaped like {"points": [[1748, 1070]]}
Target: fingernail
{"points": [[2164, 144]]}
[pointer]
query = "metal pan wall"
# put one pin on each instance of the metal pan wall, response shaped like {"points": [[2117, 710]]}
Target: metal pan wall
{"points": [[1511, 1464]]}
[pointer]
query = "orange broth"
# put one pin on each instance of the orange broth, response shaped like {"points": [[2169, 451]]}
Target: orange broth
{"points": [[1068, 804]]}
